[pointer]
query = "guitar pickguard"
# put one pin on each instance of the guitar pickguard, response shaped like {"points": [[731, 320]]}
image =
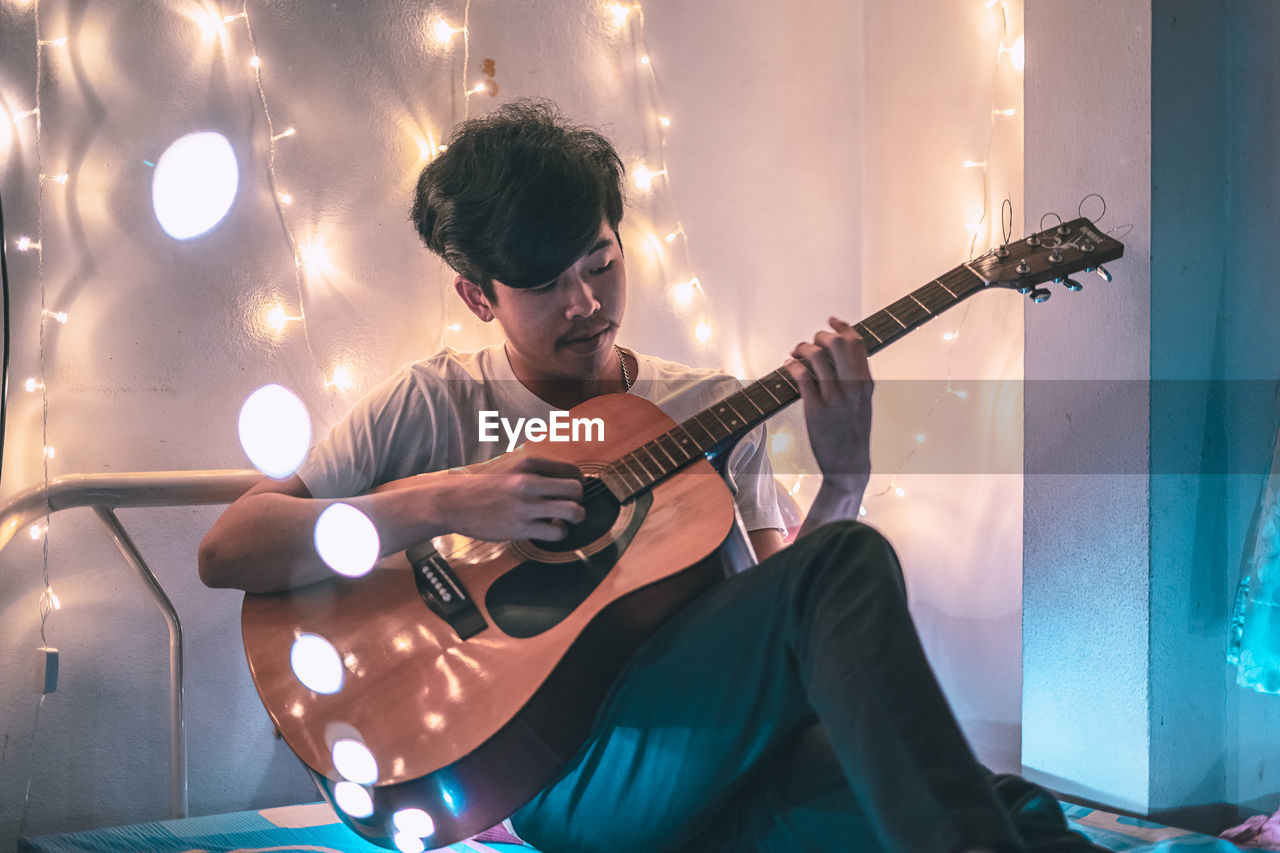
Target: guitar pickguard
{"points": [[537, 595]]}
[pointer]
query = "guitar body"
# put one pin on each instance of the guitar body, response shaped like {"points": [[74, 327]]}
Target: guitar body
{"points": [[469, 730]]}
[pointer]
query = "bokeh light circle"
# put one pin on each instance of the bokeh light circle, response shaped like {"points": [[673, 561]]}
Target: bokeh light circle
{"points": [[275, 430], [194, 184]]}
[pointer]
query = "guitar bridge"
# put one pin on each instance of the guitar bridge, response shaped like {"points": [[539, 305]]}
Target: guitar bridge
{"points": [[443, 592]]}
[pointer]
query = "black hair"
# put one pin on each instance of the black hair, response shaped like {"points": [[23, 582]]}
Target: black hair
{"points": [[518, 195]]}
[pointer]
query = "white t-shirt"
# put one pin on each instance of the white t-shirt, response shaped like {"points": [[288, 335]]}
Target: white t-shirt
{"points": [[426, 418]]}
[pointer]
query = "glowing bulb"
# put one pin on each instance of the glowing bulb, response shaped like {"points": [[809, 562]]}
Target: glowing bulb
{"points": [[702, 332], [53, 598], [354, 761], [255, 62], [58, 42], [49, 452], [229, 18], [919, 438], [414, 821], [643, 177], [26, 244], [455, 327], [277, 318], [342, 378], [57, 179], [285, 198], [664, 121], [26, 114], [862, 511], [950, 336], [60, 316], [34, 384], [620, 14], [36, 532], [346, 540], [962, 394], [684, 292], [671, 238], [1004, 112], [899, 491], [316, 664], [1017, 54], [444, 31], [974, 164], [275, 430], [194, 184], [644, 60], [353, 799], [290, 132]]}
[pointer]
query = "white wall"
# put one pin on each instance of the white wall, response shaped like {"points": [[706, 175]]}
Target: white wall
{"points": [[814, 164]]}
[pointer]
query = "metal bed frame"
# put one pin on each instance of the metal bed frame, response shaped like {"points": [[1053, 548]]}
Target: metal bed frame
{"points": [[105, 493]]}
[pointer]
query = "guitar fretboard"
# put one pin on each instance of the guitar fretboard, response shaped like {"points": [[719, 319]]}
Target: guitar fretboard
{"points": [[718, 427]]}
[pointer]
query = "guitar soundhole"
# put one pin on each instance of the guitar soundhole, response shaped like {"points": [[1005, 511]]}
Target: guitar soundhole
{"points": [[602, 511]]}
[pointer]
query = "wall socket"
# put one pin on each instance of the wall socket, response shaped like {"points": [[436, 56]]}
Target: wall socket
{"points": [[46, 669]]}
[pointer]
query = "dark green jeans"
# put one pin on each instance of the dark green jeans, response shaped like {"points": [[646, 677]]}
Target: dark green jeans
{"points": [[789, 708]]}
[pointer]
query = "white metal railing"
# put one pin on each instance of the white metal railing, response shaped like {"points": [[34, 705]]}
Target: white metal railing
{"points": [[105, 493]]}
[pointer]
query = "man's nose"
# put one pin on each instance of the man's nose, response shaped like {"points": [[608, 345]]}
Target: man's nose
{"points": [[581, 298]]}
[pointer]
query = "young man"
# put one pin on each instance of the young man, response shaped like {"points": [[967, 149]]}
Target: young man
{"points": [[790, 707]]}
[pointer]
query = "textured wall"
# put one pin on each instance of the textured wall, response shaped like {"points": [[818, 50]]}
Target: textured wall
{"points": [[1085, 527]]}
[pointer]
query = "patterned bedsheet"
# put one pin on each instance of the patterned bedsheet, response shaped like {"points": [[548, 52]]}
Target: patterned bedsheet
{"points": [[314, 828]]}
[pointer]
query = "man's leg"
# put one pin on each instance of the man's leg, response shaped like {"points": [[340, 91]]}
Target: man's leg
{"points": [[821, 627]]}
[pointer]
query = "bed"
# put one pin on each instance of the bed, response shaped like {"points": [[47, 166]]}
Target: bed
{"points": [[314, 828]]}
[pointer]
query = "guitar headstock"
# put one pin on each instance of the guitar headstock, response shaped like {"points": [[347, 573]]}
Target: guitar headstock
{"points": [[1051, 255]]}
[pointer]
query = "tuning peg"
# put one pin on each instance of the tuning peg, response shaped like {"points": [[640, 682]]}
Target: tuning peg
{"points": [[1102, 271], [1040, 294], [1069, 283]]}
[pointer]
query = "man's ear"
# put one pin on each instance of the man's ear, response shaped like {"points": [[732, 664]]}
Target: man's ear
{"points": [[474, 298]]}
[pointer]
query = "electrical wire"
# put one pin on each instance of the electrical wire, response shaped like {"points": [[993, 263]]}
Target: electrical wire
{"points": [[4, 357]]}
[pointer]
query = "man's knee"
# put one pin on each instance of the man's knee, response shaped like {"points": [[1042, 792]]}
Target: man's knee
{"points": [[851, 546]]}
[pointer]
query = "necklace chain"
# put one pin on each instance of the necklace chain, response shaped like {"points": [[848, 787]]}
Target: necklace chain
{"points": [[622, 362]]}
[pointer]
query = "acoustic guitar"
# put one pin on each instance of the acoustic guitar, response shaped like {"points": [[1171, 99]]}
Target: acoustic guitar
{"points": [[431, 701]]}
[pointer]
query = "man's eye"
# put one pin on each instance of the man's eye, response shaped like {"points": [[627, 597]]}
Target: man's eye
{"points": [[603, 269]]}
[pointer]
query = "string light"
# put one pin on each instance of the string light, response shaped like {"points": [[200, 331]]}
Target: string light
{"points": [[255, 62], [285, 198], [444, 31], [58, 42], [49, 452], [974, 164], [1009, 112], [26, 244], [290, 132], [455, 327], [1017, 54], [341, 378], [60, 316], [32, 385], [35, 532], [57, 179], [277, 318], [950, 336], [25, 114], [643, 177], [702, 332], [49, 598], [664, 121], [684, 292], [620, 14]]}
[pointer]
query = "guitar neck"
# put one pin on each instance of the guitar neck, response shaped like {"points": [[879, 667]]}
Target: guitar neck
{"points": [[713, 431]]}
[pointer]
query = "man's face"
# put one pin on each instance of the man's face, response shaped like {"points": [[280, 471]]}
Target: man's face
{"points": [[565, 329]]}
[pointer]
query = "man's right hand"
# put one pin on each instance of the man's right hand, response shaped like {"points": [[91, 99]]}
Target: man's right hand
{"points": [[515, 496]]}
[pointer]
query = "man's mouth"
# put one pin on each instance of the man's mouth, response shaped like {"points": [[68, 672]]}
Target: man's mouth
{"points": [[586, 343]]}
